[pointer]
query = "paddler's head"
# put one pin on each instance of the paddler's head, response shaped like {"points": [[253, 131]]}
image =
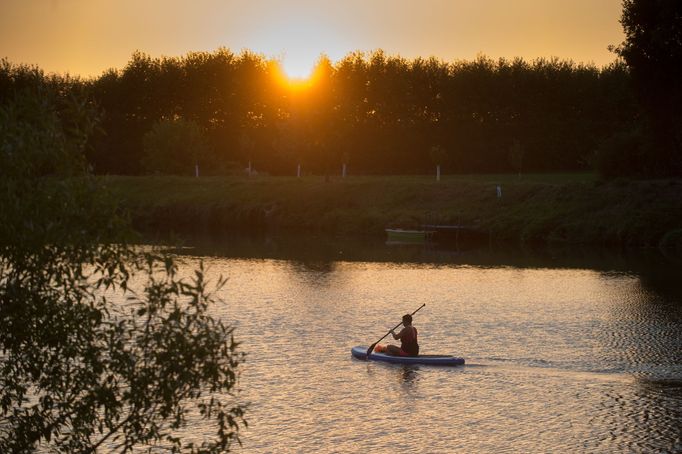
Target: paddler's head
{"points": [[407, 320]]}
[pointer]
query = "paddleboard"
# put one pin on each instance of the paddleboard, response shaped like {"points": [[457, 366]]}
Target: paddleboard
{"points": [[360, 352]]}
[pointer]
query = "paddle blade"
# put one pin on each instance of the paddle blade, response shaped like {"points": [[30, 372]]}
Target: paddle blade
{"points": [[370, 349]]}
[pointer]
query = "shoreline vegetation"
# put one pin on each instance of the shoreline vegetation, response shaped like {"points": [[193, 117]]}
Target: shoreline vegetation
{"points": [[534, 208]]}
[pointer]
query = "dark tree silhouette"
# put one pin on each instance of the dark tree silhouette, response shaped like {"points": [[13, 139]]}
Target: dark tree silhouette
{"points": [[87, 364], [653, 51], [383, 112]]}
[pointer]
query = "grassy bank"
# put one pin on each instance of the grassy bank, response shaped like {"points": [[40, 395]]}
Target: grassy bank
{"points": [[553, 208]]}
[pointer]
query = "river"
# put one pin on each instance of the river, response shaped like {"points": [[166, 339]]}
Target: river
{"points": [[566, 350]]}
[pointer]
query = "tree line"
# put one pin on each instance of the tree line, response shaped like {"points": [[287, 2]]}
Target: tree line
{"points": [[380, 114], [374, 112]]}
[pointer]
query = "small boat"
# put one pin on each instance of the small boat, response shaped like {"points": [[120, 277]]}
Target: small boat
{"points": [[408, 236], [360, 352]]}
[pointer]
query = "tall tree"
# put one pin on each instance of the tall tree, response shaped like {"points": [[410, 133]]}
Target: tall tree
{"points": [[653, 51]]}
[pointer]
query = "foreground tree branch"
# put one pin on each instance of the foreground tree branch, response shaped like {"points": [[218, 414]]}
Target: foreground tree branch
{"points": [[85, 361]]}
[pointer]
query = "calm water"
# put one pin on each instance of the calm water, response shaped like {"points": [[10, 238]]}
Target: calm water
{"points": [[566, 352]]}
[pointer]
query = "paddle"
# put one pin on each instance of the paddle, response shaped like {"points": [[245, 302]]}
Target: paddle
{"points": [[371, 347]]}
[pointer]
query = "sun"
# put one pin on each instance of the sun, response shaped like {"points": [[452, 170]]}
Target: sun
{"points": [[298, 68], [296, 44], [297, 74]]}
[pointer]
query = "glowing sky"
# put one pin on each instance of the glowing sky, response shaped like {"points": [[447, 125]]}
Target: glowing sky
{"points": [[85, 37]]}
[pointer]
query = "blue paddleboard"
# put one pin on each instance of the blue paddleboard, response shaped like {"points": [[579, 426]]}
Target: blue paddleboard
{"points": [[360, 352]]}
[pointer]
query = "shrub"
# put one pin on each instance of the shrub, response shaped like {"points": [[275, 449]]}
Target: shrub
{"points": [[175, 146]]}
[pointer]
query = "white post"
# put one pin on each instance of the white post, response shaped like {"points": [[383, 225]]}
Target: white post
{"points": [[499, 191], [298, 171], [438, 172], [343, 170], [196, 170]]}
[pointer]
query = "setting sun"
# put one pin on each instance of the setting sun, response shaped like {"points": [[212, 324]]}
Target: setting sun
{"points": [[297, 68], [300, 74], [293, 77]]}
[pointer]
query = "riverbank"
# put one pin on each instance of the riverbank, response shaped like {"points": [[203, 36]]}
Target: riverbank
{"points": [[563, 208]]}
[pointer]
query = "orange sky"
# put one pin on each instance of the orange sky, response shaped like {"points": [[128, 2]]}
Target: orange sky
{"points": [[85, 37]]}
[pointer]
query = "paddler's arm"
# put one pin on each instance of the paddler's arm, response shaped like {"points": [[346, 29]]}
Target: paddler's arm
{"points": [[397, 336]]}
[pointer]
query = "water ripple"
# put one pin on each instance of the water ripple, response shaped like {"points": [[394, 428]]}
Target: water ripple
{"points": [[567, 360]]}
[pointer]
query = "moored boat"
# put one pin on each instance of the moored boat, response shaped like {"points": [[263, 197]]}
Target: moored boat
{"points": [[408, 236]]}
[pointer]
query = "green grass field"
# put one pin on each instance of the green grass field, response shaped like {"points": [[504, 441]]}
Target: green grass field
{"points": [[572, 208]]}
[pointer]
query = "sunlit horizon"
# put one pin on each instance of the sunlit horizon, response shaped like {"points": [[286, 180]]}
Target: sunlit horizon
{"points": [[86, 38]]}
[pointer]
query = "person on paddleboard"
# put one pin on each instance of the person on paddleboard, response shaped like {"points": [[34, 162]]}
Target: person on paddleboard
{"points": [[408, 340]]}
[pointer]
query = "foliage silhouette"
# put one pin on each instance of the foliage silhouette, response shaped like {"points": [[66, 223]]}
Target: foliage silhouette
{"points": [[102, 345], [384, 112], [653, 52]]}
